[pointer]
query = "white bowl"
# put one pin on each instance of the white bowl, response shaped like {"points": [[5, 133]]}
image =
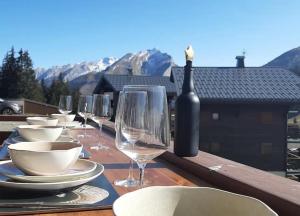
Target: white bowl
{"points": [[40, 132], [44, 158], [42, 121], [192, 201], [64, 118]]}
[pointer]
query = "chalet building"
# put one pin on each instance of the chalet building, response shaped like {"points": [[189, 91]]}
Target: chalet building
{"points": [[244, 112], [113, 84]]}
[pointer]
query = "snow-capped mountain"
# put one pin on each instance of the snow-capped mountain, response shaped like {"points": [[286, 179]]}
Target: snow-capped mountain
{"points": [[149, 62], [72, 71], [86, 75]]}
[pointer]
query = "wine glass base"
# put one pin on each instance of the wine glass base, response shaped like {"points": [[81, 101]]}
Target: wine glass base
{"points": [[127, 183], [99, 147], [84, 136]]}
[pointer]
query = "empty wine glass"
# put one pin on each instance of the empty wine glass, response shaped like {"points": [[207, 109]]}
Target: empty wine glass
{"points": [[101, 112], [129, 181], [85, 105], [151, 134], [65, 106]]}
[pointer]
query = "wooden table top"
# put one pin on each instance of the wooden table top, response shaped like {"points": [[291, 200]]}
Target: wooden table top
{"points": [[165, 175]]}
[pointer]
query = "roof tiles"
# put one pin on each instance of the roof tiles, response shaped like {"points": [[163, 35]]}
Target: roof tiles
{"points": [[239, 85], [118, 81]]}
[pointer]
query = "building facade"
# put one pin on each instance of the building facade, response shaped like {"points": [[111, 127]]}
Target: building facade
{"points": [[113, 84], [243, 112]]}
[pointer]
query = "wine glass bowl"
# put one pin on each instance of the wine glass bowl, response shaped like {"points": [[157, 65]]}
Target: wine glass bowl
{"points": [[85, 104], [101, 112], [132, 123], [65, 106]]}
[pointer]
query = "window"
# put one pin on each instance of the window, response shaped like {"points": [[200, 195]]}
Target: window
{"points": [[215, 116], [266, 117], [266, 148]]}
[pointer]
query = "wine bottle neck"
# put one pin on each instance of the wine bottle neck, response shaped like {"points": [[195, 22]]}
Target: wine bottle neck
{"points": [[188, 82]]}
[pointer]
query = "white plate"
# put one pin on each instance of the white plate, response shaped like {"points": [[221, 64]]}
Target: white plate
{"points": [[82, 168], [5, 182]]}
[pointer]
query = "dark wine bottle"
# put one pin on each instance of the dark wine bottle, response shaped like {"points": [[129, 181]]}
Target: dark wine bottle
{"points": [[187, 116]]}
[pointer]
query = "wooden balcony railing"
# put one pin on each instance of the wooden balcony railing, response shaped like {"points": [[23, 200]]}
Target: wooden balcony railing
{"points": [[281, 194]]}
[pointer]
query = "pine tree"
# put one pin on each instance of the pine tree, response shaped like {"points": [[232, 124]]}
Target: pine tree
{"points": [[10, 76], [18, 77], [75, 98], [29, 86], [57, 88], [45, 90]]}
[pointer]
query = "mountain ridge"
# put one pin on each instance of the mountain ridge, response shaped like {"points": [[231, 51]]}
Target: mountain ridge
{"points": [[289, 60], [85, 75], [72, 71]]}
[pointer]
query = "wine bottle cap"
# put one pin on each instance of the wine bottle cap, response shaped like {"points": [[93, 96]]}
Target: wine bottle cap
{"points": [[189, 53]]}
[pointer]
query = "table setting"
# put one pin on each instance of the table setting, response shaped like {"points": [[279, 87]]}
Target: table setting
{"points": [[42, 159], [47, 170]]}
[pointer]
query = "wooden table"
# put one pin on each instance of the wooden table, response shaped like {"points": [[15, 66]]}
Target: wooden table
{"points": [[281, 194], [165, 175]]}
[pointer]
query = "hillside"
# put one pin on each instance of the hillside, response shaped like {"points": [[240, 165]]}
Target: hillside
{"points": [[289, 60]]}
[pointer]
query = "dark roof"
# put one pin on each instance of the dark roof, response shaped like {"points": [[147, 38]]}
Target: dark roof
{"points": [[116, 82], [242, 85]]}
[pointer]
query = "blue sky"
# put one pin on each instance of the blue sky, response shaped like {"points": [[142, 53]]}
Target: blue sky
{"points": [[58, 32]]}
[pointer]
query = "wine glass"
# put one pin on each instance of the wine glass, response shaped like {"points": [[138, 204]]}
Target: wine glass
{"points": [[65, 106], [152, 134], [85, 105], [101, 112], [129, 181], [131, 126]]}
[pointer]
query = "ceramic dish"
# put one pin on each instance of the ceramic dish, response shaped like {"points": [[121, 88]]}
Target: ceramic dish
{"points": [[52, 186], [64, 118], [73, 124], [192, 201], [42, 121], [44, 158], [39, 132], [80, 169]]}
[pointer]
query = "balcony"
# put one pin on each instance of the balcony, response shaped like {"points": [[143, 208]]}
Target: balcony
{"points": [[281, 194]]}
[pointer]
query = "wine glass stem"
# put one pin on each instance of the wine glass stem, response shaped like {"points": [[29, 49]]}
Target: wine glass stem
{"points": [[85, 120], [142, 172], [100, 132], [65, 121], [100, 128], [130, 171]]}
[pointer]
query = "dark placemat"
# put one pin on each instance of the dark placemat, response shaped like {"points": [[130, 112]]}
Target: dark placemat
{"points": [[87, 196], [3, 149]]}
